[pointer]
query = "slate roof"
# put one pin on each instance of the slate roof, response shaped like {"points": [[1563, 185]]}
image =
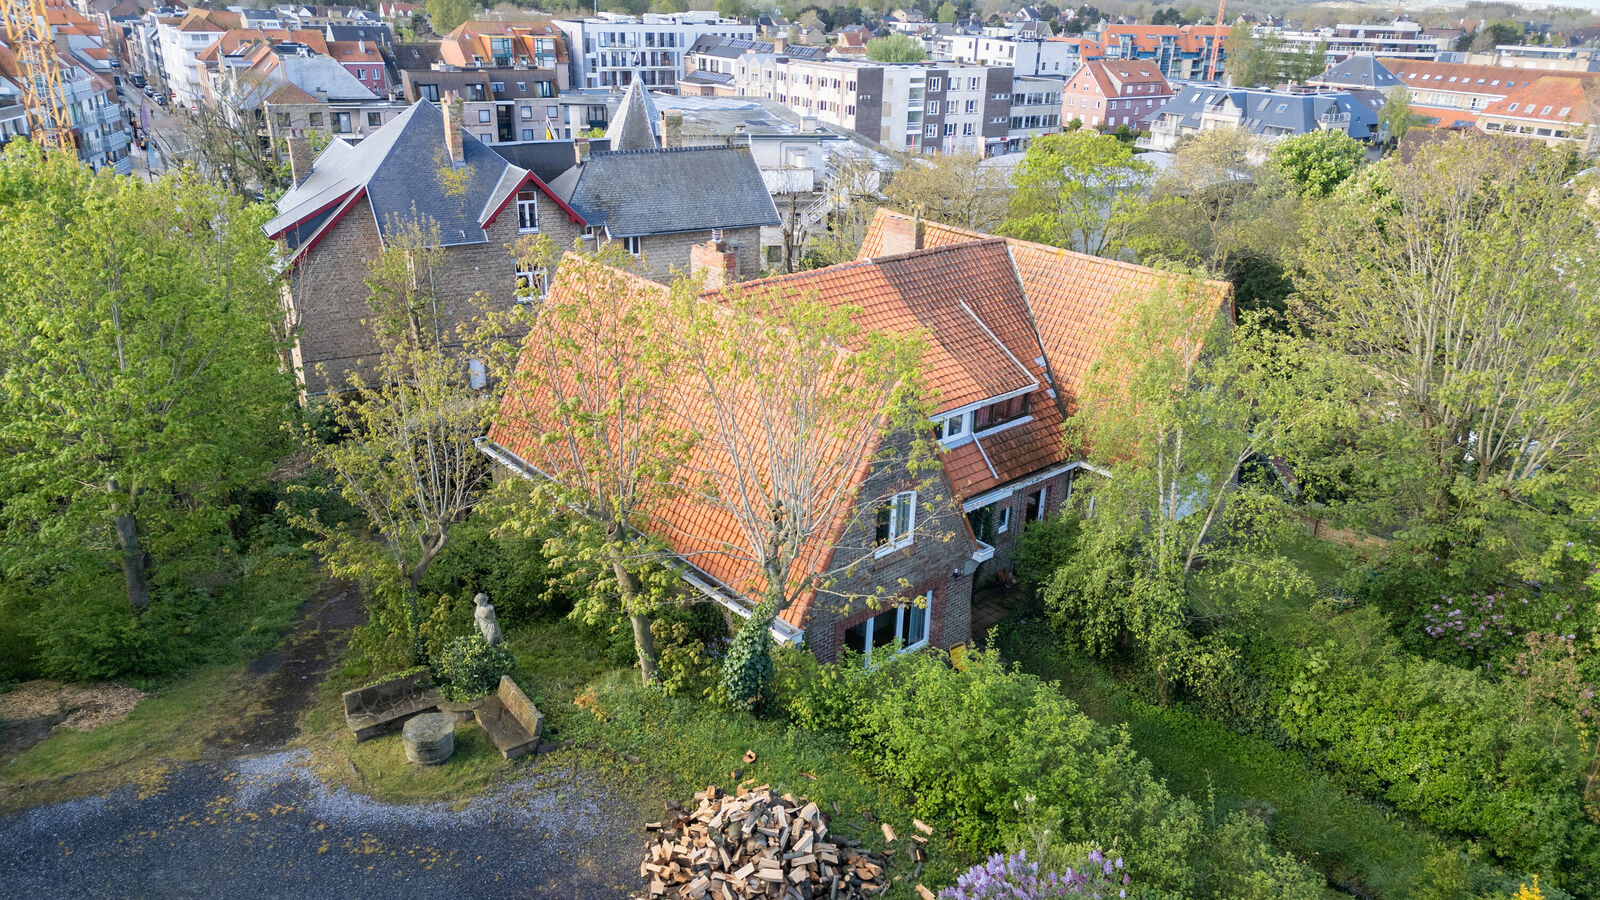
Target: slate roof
{"points": [[379, 34], [545, 159], [313, 73], [643, 192], [1361, 70], [1271, 112], [416, 56], [635, 126], [396, 169]]}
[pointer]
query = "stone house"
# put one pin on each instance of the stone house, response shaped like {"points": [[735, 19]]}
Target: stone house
{"points": [[424, 167], [1012, 329]]}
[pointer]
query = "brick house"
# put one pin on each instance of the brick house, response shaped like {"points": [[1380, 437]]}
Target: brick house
{"points": [[346, 205], [1115, 92], [1012, 330]]}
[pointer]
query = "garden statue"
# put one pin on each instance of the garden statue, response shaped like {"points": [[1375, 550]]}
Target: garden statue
{"points": [[485, 617]]}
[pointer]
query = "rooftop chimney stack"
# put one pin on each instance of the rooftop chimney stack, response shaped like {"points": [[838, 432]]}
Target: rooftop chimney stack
{"points": [[580, 147], [715, 262], [300, 160], [452, 129], [901, 235]]}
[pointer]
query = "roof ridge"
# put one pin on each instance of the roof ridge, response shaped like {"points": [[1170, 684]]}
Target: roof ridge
{"points": [[924, 251], [642, 150]]}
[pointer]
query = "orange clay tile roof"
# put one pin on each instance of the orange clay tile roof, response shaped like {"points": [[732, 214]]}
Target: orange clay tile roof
{"points": [[703, 533], [1553, 99], [350, 52], [1494, 81], [939, 293], [1077, 300], [1111, 76]]}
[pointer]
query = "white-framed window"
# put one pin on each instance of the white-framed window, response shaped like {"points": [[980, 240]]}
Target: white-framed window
{"points": [[1002, 518], [477, 375], [933, 107], [483, 117], [897, 521], [1033, 508], [951, 429], [527, 112], [527, 211], [931, 131], [532, 282], [631, 244], [905, 626], [934, 84]]}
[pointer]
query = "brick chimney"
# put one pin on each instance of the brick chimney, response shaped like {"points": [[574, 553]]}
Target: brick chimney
{"points": [[901, 235], [715, 262], [580, 149], [452, 129], [300, 159], [671, 129], [779, 45]]}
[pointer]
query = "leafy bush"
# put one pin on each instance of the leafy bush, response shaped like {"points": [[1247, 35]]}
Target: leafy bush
{"points": [[748, 674], [689, 646], [469, 667], [1013, 877], [1462, 753], [1042, 547], [970, 746], [510, 568]]}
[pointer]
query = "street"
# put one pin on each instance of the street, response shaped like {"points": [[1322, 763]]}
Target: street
{"points": [[164, 133]]}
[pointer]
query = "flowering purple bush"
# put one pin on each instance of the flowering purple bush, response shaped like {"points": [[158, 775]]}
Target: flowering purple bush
{"points": [[1490, 627], [1012, 877]]}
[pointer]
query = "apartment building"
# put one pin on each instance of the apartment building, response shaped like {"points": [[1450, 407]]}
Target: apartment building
{"points": [[1035, 110], [918, 107], [1112, 93], [1400, 39], [176, 44], [1267, 114], [98, 127], [1025, 56], [613, 50], [1181, 52], [509, 45]]}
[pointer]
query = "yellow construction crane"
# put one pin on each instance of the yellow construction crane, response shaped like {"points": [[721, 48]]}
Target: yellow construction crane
{"points": [[26, 26], [1216, 40]]}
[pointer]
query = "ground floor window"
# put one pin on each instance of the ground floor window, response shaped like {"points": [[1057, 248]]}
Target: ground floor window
{"points": [[903, 626], [532, 282]]}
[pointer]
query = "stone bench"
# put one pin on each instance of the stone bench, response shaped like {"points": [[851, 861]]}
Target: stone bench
{"points": [[510, 719], [371, 711]]}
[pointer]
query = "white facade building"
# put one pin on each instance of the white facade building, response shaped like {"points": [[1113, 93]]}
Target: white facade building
{"points": [[614, 50], [1026, 57]]}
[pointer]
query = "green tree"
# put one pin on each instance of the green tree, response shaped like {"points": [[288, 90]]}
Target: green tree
{"points": [[1074, 189], [896, 48], [1396, 116], [1250, 61], [589, 390], [1463, 282], [445, 15], [785, 422], [1303, 63], [947, 13], [1316, 162], [1497, 33], [408, 462], [735, 9], [957, 189], [141, 381]]}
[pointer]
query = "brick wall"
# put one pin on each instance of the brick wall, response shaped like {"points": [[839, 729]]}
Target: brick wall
{"points": [[331, 290], [1005, 545], [661, 254], [938, 550]]}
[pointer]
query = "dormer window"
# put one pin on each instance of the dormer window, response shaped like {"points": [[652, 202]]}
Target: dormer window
{"points": [[952, 429]]}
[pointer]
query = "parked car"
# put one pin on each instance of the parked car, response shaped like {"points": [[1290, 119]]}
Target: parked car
{"points": [[161, 99], [138, 81]]}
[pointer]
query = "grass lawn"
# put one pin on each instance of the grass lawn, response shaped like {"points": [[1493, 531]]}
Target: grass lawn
{"points": [[649, 747], [170, 726]]}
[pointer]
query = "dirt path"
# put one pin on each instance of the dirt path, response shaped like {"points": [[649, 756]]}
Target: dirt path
{"points": [[284, 680]]}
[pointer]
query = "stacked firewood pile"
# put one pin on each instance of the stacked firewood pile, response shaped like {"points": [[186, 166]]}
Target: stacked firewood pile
{"points": [[756, 845]]}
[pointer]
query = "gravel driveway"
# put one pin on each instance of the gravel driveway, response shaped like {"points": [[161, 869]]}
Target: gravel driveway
{"points": [[265, 826]]}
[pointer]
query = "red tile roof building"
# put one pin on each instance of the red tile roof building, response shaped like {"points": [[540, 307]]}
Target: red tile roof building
{"points": [[1012, 329], [1114, 92]]}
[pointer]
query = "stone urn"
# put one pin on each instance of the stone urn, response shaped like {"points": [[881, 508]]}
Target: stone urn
{"points": [[429, 738]]}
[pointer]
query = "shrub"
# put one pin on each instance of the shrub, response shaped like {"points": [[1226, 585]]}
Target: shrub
{"points": [[1013, 877], [971, 746], [1042, 548], [689, 646], [470, 667], [747, 671]]}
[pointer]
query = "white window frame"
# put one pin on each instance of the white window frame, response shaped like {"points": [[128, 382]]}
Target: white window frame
{"points": [[942, 428], [1002, 517], [477, 374], [901, 621], [632, 245], [538, 283], [900, 537], [531, 205], [1044, 500]]}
